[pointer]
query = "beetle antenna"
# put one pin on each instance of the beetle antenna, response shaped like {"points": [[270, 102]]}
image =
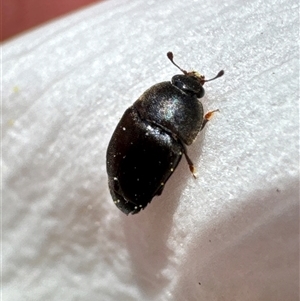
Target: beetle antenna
{"points": [[221, 73], [170, 57]]}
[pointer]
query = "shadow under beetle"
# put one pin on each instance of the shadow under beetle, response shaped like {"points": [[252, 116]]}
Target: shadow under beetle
{"points": [[151, 137]]}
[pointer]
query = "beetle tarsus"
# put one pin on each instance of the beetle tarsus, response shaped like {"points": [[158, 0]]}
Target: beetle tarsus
{"points": [[193, 171], [207, 117], [189, 161]]}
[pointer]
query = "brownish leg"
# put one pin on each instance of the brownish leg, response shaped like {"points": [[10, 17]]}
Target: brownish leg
{"points": [[189, 161], [207, 117]]}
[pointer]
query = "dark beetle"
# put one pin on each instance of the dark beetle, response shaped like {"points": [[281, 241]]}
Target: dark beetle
{"points": [[151, 137]]}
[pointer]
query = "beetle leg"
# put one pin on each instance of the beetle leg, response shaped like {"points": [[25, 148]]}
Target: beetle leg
{"points": [[207, 117], [189, 161], [160, 190]]}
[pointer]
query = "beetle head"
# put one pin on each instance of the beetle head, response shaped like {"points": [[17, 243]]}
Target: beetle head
{"points": [[194, 74]]}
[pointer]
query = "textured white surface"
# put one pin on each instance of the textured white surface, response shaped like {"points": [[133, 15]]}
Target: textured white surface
{"points": [[232, 234]]}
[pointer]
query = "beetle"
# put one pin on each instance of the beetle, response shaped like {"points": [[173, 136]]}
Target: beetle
{"points": [[151, 138]]}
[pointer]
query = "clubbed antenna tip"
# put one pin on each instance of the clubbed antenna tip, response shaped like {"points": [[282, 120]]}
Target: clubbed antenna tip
{"points": [[170, 57]]}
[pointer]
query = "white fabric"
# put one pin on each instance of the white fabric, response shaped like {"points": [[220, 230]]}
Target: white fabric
{"points": [[231, 234]]}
